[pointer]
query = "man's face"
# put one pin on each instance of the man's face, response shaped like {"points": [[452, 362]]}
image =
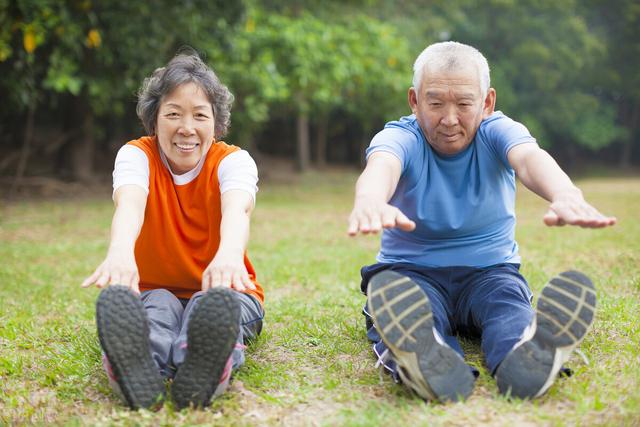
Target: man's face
{"points": [[449, 108]]}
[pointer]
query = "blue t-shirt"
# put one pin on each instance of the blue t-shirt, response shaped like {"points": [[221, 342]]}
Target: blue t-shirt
{"points": [[463, 205]]}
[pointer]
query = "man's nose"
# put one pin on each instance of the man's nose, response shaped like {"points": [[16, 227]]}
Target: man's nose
{"points": [[450, 117]]}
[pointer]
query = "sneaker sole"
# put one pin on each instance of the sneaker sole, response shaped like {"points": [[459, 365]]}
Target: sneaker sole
{"points": [[564, 314], [123, 330], [402, 314], [213, 330]]}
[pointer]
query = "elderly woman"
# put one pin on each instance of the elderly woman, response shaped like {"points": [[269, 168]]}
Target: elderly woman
{"points": [[188, 299]]}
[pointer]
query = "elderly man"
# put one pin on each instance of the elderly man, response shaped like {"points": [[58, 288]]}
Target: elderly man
{"points": [[441, 185]]}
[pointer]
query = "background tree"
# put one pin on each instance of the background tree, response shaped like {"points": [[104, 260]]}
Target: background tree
{"points": [[313, 79]]}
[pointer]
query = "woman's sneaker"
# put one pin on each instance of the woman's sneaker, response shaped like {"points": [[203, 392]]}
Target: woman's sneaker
{"points": [[402, 314], [213, 329], [564, 314], [123, 330]]}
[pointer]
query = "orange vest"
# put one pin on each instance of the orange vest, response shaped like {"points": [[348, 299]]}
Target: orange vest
{"points": [[181, 230]]}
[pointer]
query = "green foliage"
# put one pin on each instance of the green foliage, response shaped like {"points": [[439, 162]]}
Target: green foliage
{"points": [[567, 69]]}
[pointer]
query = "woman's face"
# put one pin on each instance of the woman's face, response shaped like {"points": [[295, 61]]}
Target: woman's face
{"points": [[185, 127]]}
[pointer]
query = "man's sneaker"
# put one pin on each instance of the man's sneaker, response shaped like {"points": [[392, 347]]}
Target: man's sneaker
{"points": [[123, 330], [213, 328], [402, 315], [564, 314]]}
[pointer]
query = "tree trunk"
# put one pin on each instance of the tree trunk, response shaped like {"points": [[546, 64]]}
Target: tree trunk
{"points": [[321, 140], [626, 151], [303, 151], [364, 144], [26, 149], [83, 150]]}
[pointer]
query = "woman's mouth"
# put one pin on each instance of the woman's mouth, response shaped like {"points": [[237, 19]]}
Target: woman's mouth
{"points": [[185, 147]]}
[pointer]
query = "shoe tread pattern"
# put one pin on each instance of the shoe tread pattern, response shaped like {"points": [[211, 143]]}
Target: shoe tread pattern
{"points": [[402, 314], [123, 330], [564, 314], [211, 336]]}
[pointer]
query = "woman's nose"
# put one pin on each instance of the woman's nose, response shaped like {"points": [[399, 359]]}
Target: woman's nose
{"points": [[186, 126]]}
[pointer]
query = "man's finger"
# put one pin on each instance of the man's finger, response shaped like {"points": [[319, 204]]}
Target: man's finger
{"points": [[364, 225], [550, 218], [404, 223], [353, 227], [376, 224]]}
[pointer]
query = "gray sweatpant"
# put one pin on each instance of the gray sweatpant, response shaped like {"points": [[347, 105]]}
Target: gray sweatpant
{"points": [[168, 321]]}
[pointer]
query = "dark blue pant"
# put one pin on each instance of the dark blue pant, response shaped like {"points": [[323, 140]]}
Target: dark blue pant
{"points": [[493, 303]]}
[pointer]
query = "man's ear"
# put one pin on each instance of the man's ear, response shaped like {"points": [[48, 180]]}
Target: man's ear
{"points": [[489, 103], [412, 97]]}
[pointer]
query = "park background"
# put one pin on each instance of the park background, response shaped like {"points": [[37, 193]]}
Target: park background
{"points": [[313, 81]]}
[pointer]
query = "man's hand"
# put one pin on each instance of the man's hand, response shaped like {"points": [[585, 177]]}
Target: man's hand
{"points": [[116, 269], [371, 216], [227, 270], [572, 209]]}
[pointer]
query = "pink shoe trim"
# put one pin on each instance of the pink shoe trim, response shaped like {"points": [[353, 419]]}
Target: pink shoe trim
{"points": [[226, 374], [107, 368]]}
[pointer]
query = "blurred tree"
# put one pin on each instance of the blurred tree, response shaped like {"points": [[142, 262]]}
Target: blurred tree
{"points": [[544, 59], [617, 78], [89, 58], [568, 70], [313, 68]]}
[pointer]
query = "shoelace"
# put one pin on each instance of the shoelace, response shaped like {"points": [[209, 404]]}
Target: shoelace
{"points": [[380, 364], [584, 357]]}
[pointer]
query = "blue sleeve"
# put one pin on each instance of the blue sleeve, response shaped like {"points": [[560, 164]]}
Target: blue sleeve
{"points": [[399, 142], [501, 134]]}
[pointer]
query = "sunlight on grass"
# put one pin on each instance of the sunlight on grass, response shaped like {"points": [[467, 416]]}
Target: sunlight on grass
{"points": [[312, 365]]}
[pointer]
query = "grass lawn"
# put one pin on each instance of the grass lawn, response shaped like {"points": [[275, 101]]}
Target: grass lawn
{"points": [[312, 365]]}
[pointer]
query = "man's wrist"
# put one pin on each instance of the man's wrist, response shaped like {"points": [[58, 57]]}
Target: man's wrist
{"points": [[568, 194]]}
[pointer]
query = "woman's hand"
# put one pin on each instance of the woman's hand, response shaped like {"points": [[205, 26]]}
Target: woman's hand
{"points": [[116, 269], [119, 267], [227, 270]]}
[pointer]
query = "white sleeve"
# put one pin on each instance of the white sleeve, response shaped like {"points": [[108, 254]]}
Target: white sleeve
{"points": [[131, 167], [238, 171]]}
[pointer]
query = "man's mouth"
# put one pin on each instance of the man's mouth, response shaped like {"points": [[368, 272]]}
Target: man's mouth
{"points": [[450, 136]]}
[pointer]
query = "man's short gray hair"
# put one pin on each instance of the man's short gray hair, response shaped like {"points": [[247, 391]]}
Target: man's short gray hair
{"points": [[447, 56], [186, 67]]}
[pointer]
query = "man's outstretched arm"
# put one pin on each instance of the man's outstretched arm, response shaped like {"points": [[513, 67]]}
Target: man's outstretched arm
{"points": [[540, 173], [374, 188]]}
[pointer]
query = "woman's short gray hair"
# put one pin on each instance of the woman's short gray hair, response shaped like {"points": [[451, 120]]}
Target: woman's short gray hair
{"points": [[447, 56], [184, 68]]}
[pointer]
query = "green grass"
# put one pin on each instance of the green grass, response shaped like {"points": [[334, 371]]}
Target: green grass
{"points": [[312, 365]]}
